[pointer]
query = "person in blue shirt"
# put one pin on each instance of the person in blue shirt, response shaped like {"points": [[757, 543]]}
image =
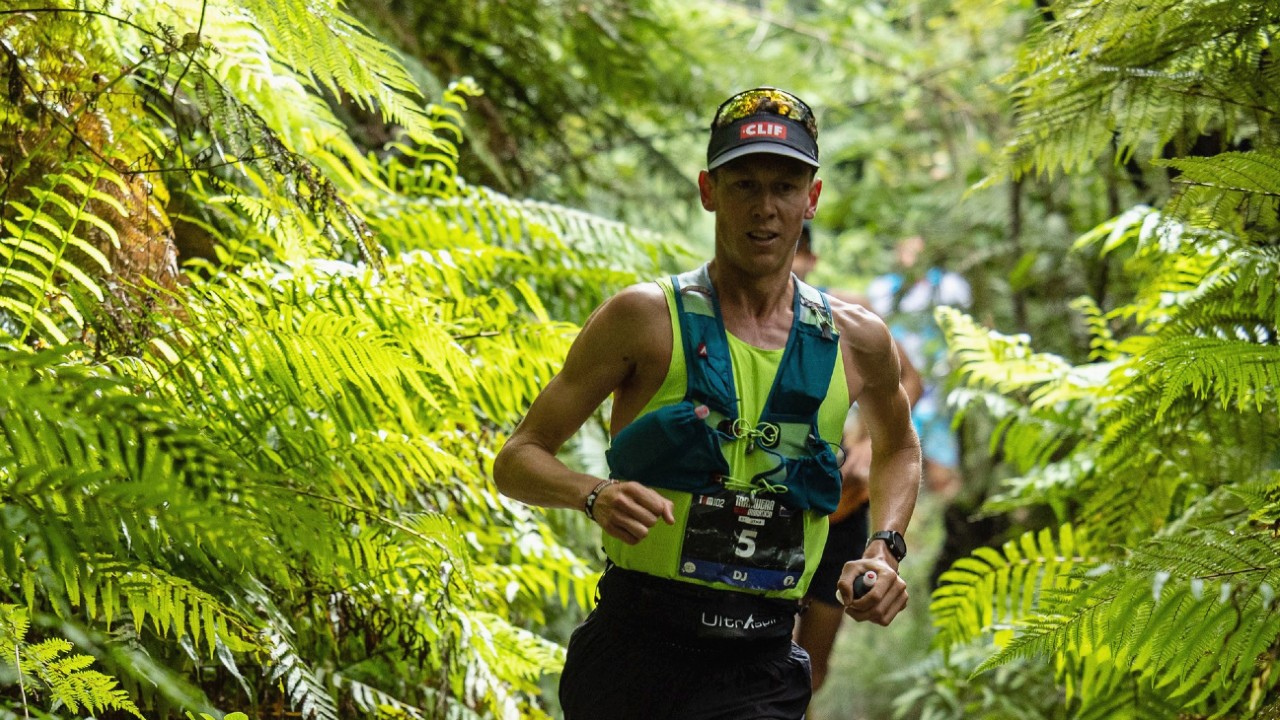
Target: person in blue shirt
{"points": [[906, 299]]}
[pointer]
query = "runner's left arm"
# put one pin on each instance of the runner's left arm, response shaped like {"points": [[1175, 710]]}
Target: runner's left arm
{"points": [[856, 468], [885, 409]]}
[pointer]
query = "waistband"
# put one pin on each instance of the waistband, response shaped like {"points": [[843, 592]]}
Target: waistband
{"points": [[693, 616]]}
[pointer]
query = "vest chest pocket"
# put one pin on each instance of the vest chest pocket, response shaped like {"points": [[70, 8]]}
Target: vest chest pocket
{"points": [[813, 482], [670, 448]]}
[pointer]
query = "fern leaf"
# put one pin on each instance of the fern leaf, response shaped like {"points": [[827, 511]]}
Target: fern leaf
{"points": [[300, 684], [1231, 189], [341, 56], [47, 669], [1193, 638], [1102, 343], [1083, 89], [991, 592]]}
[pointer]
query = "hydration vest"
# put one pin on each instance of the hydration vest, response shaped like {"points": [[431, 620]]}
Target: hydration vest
{"points": [[673, 448], [761, 531]]}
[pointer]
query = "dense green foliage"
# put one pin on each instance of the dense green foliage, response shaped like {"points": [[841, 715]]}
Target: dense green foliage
{"points": [[270, 298], [1161, 449], [568, 85], [66, 680], [258, 479]]}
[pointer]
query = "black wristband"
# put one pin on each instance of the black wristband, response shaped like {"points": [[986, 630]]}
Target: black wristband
{"points": [[589, 505]]}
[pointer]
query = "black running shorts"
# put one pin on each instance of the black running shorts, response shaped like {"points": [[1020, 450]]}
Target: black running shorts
{"points": [[616, 672], [655, 649]]}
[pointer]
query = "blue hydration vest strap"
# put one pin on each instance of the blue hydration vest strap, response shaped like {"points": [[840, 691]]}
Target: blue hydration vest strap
{"points": [[673, 448], [810, 356], [807, 474], [706, 349]]}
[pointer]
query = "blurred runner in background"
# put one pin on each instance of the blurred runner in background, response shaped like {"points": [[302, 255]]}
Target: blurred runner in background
{"points": [[906, 299], [822, 612]]}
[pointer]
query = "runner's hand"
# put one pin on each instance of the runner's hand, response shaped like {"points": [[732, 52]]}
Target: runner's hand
{"points": [[882, 603], [627, 510]]}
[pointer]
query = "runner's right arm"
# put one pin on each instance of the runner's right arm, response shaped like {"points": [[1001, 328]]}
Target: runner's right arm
{"points": [[601, 360]]}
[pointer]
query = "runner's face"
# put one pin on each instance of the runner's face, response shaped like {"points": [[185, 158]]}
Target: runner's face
{"points": [[761, 203]]}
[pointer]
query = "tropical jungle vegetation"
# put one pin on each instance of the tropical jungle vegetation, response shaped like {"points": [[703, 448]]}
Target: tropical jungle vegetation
{"points": [[278, 276]]}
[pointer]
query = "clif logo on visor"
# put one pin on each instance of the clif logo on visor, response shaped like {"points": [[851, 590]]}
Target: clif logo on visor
{"points": [[763, 130]]}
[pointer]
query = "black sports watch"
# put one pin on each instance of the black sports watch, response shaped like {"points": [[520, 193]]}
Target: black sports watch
{"points": [[893, 540]]}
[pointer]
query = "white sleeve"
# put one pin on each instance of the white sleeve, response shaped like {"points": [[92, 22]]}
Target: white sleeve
{"points": [[954, 290], [880, 295]]}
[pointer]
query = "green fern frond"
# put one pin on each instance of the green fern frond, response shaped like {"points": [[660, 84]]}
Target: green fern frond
{"points": [[299, 683], [1006, 363], [1134, 224], [316, 39], [569, 258], [1136, 74], [1263, 499], [380, 468], [428, 563], [1102, 342], [1209, 372], [1104, 690], [1176, 262], [505, 661], [991, 592], [1239, 297], [1193, 635], [361, 359], [530, 567], [342, 57], [1173, 450], [1158, 471], [1256, 172], [1235, 191], [317, 356], [1243, 375], [1052, 402], [45, 668], [257, 112], [302, 443], [44, 244], [1055, 484], [175, 606], [382, 704], [153, 475]]}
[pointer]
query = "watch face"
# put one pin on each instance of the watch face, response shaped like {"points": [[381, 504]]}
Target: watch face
{"points": [[898, 546], [894, 540]]}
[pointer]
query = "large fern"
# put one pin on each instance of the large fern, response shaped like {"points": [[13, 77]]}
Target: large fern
{"points": [[1142, 74], [1159, 450], [989, 594], [267, 482], [1163, 449], [1198, 638]]}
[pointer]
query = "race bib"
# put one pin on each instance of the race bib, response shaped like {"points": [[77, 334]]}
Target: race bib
{"points": [[751, 543]]}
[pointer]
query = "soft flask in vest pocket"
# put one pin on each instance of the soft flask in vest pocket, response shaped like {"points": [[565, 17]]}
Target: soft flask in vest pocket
{"points": [[809, 482], [670, 448]]}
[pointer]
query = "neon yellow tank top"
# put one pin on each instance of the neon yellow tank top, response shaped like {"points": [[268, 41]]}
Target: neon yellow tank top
{"points": [[754, 369]]}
